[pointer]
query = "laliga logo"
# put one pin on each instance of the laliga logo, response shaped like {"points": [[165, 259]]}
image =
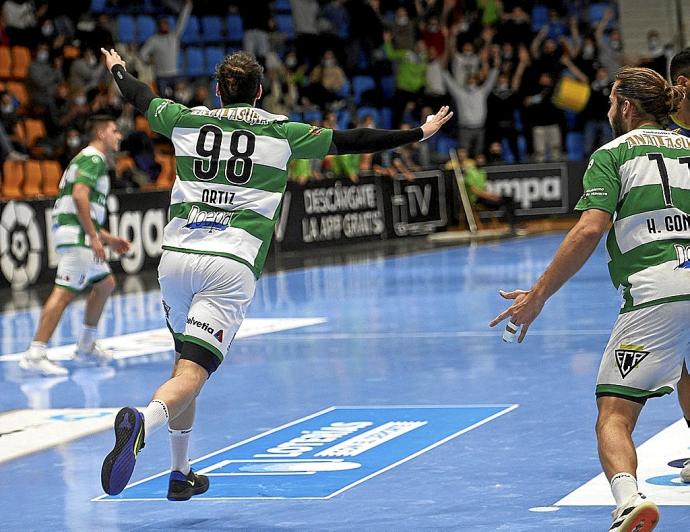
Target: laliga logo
{"points": [[21, 245]]}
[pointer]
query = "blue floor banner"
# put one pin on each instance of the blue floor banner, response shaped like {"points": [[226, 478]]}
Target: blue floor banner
{"points": [[322, 455]]}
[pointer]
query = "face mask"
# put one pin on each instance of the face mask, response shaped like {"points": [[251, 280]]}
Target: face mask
{"points": [[183, 95], [588, 51], [291, 62], [653, 44], [73, 142], [47, 29], [80, 100], [7, 108], [329, 62], [401, 21], [42, 56], [616, 45], [91, 61]]}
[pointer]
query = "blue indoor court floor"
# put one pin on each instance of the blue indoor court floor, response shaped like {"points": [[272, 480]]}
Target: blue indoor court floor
{"points": [[364, 396]]}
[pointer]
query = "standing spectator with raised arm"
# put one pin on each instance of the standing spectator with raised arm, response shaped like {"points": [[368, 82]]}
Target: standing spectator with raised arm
{"points": [[470, 101], [162, 49], [410, 74]]}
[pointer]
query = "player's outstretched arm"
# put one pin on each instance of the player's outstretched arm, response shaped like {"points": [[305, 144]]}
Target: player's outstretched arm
{"points": [[134, 91], [366, 140]]}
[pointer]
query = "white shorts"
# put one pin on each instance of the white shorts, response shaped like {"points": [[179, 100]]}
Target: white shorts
{"points": [[78, 268], [644, 356], [205, 299]]}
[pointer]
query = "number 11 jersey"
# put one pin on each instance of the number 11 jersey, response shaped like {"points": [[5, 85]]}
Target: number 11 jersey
{"points": [[643, 179], [231, 173]]}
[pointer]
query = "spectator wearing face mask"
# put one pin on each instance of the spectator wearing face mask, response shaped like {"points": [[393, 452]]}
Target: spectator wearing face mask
{"points": [[402, 30], [162, 49], [471, 103], [655, 58], [502, 104], [42, 81], [545, 118], [87, 73], [597, 127], [610, 48], [72, 144]]}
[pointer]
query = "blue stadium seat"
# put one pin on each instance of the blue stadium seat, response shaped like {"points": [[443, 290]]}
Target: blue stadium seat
{"points": [[373, 111], [361, 84], [540, 16], [284, 23], [386, 118], [213, 55], [195, 65], [125, 28], [445, 144], [235, 29], [295, 117], [344, 91], [343, 119], [146, 27], [313, 116], [98, 6], [575, 146], [282, 6], [388, 87], [212, 29], [596, 13], [192, 32]]}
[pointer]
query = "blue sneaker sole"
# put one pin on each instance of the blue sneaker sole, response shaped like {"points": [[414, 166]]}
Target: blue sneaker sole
{"points": [[118, 466]]}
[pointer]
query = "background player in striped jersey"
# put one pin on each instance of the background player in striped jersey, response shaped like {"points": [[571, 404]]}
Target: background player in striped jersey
{"points": [[231, 175], [680, 75], [642, 178], [78, 217]]}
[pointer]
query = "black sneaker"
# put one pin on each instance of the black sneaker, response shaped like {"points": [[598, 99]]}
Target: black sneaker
{"points": [[182, 487]]}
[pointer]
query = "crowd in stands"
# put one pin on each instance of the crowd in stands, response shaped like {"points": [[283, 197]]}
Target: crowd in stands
{"points": [[500, 64]]}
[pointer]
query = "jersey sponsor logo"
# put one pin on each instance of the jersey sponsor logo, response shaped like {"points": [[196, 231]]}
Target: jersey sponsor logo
{"points": [[326, 453], [315, 131], [211, 220], [219, 336], [628, 357], [160, 107], [201, 324], [217, 197]]}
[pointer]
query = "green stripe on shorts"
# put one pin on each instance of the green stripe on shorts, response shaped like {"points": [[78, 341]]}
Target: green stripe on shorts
{"points": [[636, 393]]}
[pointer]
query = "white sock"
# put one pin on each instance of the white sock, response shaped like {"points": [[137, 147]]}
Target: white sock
{"points": [[37, 350], [623, 486], [87, 338], [155, 416], [179, 450]]}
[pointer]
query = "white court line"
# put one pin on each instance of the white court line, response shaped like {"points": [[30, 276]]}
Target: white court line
{"points": [[508, 408], [149, 342], [441, 334]]}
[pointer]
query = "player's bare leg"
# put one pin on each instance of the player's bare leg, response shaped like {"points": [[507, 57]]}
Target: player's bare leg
{"points": [[174, 399], [684, 401], [95, 303], [35, 359], [615, 425]]}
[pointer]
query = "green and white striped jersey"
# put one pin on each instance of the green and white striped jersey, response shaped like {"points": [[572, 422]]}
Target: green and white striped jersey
{"points": [[90, 168], [231, 166], [643, 178]]}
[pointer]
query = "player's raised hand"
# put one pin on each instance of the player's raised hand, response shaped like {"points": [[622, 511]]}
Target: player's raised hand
{"points": [[435, 122], [112, 58]]}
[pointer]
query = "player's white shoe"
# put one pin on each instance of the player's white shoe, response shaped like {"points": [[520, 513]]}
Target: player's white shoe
{"points": [[685, 472], [637, 514], [41, 365], [95, 354]]}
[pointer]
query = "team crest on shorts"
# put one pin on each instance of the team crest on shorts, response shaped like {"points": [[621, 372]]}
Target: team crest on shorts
{"points": [[628, 357]]}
